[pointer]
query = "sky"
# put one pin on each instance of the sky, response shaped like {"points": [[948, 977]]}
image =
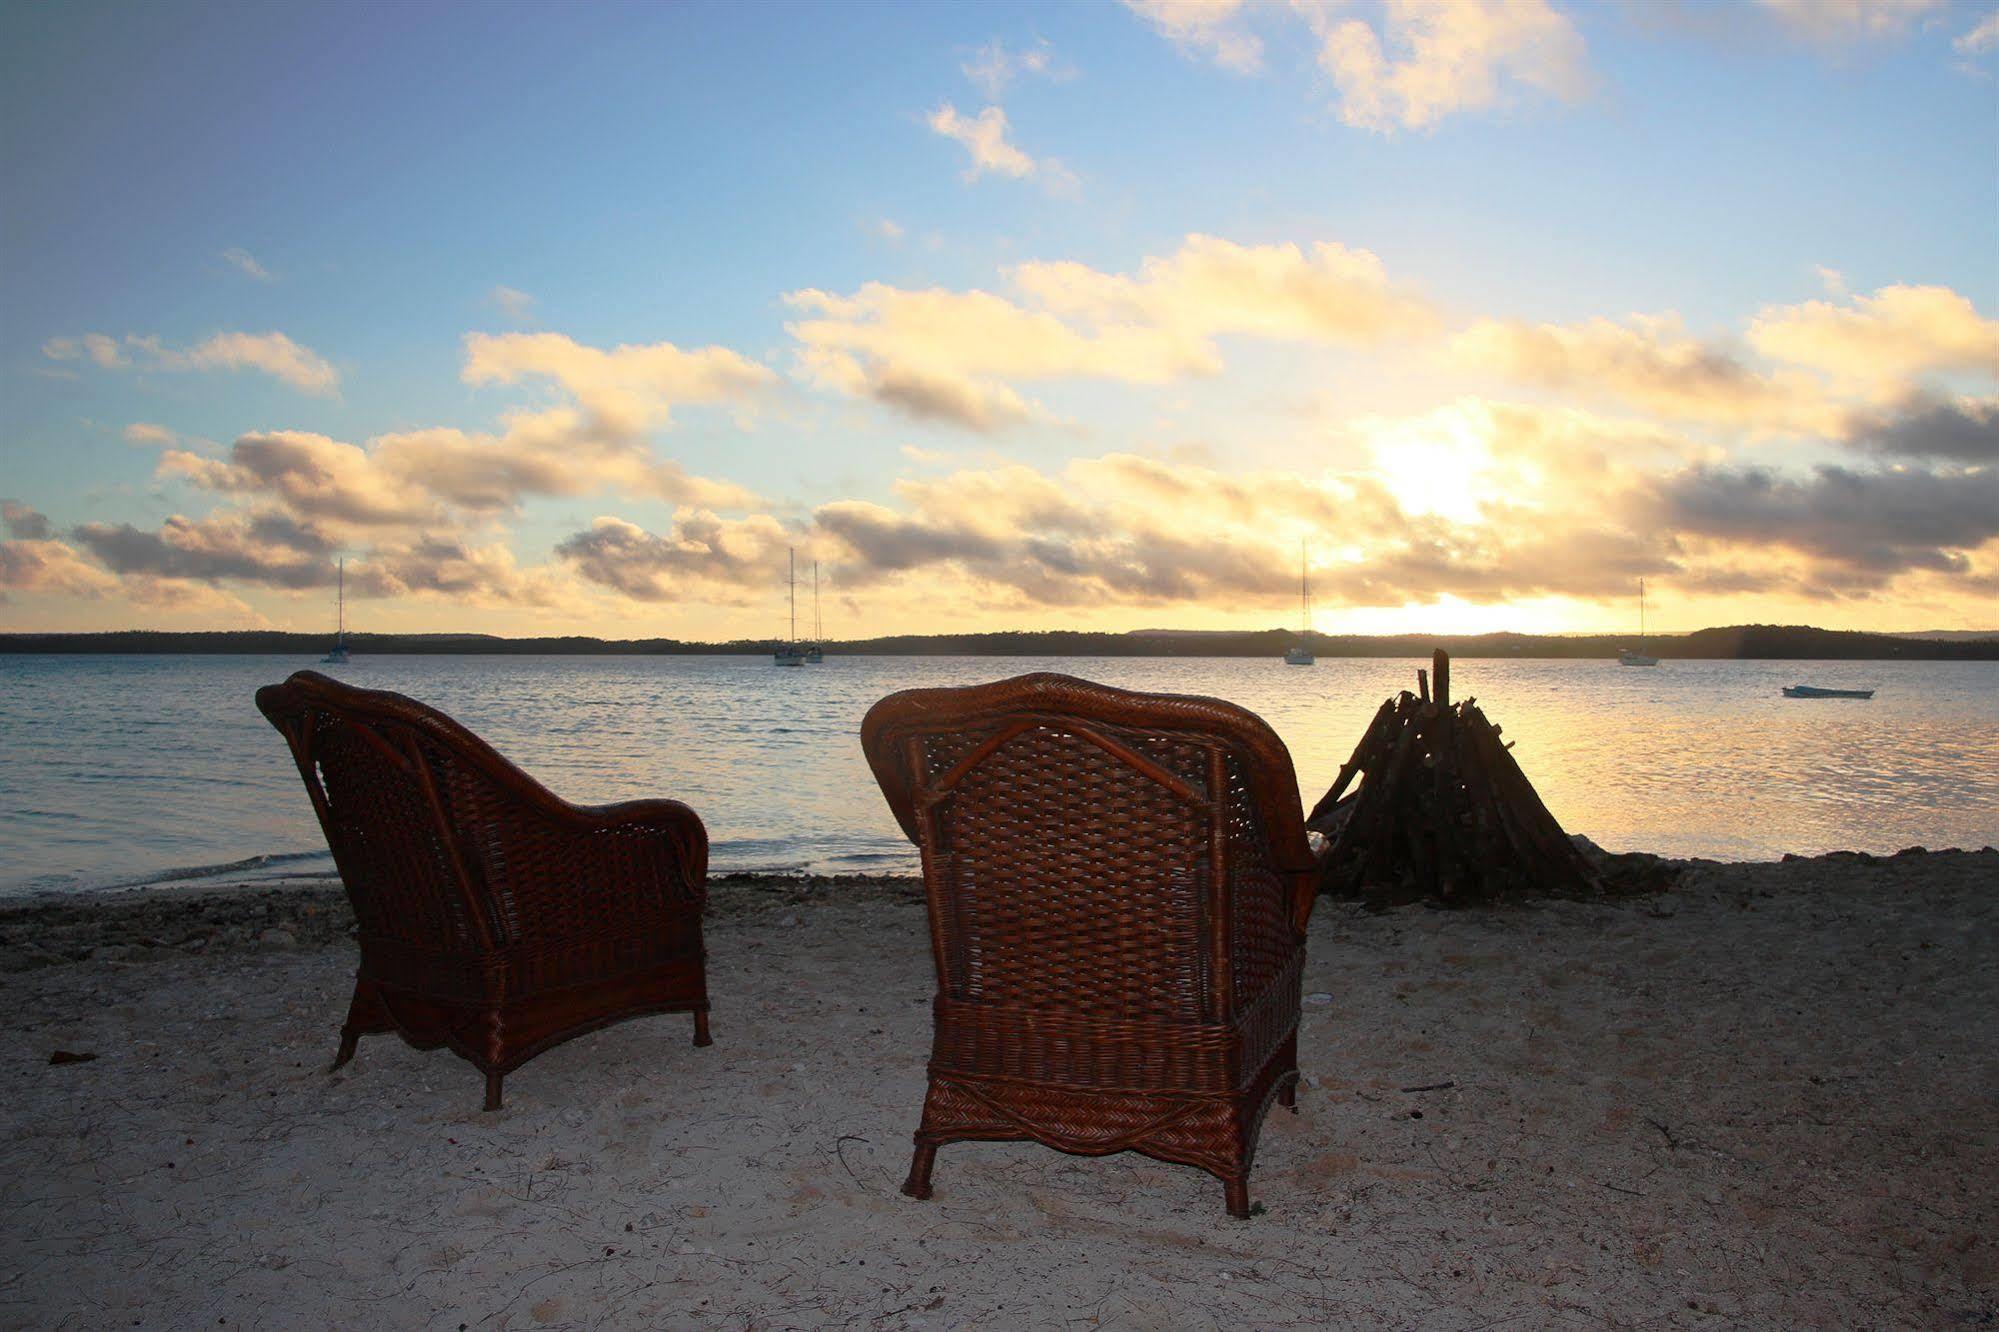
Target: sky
{"points": [[583, 318]]}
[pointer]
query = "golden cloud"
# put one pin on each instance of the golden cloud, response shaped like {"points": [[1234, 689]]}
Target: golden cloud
{"points": [[949, 355], [1881, 344]]}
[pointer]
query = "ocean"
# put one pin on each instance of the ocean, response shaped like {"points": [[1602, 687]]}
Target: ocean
{"points": [[126, 770]]}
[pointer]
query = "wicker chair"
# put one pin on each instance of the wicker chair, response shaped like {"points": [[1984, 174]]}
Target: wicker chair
{"points": [[1119, 885], [495, 917]]}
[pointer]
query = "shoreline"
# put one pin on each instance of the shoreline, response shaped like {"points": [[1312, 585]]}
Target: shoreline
{"points": [[175, 917]]}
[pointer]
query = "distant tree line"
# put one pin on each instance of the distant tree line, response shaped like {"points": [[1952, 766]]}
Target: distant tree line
{"points": [[1774, 642]]}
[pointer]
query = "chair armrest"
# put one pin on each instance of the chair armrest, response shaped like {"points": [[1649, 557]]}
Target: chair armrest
{"points": [[670, 819], [559, 871]]}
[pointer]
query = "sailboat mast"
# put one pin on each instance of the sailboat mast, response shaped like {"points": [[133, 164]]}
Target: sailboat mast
{"points": [[340, 605], [1641, 613], [794, 595], [817, 633], [1304, 595]]}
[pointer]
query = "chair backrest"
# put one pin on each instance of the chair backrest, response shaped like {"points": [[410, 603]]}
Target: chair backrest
{"points": [[1094, 850], [420, 814]]}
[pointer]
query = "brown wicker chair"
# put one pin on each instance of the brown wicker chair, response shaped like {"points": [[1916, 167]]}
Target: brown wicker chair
{"points": [[495, 917], [1118, 885]]}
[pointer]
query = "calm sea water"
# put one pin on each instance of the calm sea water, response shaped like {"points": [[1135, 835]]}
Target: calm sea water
{"points": [[118, 770]]}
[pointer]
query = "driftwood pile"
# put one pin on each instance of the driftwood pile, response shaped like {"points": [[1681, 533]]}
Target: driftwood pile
{"points": [[1442, 813]]}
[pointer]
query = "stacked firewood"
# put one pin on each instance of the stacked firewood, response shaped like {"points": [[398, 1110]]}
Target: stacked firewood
{"points": [[1442, 813]]}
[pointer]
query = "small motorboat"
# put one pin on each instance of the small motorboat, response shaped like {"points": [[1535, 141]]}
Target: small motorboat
{"points": [[1813, 691]]}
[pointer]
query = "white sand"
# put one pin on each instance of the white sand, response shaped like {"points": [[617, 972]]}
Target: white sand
{"points": [[1767, 1098]]}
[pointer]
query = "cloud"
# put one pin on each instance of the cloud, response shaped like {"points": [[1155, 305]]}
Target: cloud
{"points": [[1128, 531], [186, 597], [170, 567], [702, 557], [406, 479], [418, 504], [143, 432], [446, 567], [99, 348], [1211, 287], [1832, 21], [1205, 28], [1980, 39], [1481, 501], [1649, 361], [886, 229], [49, 568], [1558, 503], [1881, 343], [1931, 426], [624, 390], [273, 354], [944, 355], [229, 547], [1878, 349], [313, 476], [1427, 59], [984, 137], [1448, 56], [515, 305], [557, 452], [1863, 527], [955, 401], [949, 355], [24, 522], [992, 67], [246, 264]]}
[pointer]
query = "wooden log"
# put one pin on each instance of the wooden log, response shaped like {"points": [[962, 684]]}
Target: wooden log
{"points": [[1440, 672], [1362, 835], [1375, 735]]}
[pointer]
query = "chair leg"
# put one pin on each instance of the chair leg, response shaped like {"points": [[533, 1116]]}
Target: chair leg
{"points": [[365, 1013], [493, 1081], [349, 1038], [701, 1027], [918, 1183], [1238, 1194], [1287, 1095]]}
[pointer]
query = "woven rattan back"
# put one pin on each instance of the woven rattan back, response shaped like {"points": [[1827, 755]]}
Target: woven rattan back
{"points": [[1094, 851], [382, 772]]}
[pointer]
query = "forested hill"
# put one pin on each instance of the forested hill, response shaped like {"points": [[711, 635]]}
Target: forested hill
{"points": [[1780, 642]]}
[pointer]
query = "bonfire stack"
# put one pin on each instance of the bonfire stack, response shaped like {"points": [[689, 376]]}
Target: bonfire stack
{"points": [[1442, 813]]}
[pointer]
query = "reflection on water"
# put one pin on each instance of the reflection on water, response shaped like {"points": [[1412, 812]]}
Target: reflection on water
{"points": [[114, 769]]}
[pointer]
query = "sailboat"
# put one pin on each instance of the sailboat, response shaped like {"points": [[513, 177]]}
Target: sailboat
{"points": [[817, 652], [1298, 654], [789, 653], [338, 655], [1639, 658]]}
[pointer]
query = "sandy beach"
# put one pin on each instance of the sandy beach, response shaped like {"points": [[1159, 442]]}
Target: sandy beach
{"points": [[1764, 1097]]}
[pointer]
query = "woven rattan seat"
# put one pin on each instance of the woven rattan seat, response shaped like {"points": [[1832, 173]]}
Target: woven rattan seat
{"points": [[495, 917], [1118, 887]]}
